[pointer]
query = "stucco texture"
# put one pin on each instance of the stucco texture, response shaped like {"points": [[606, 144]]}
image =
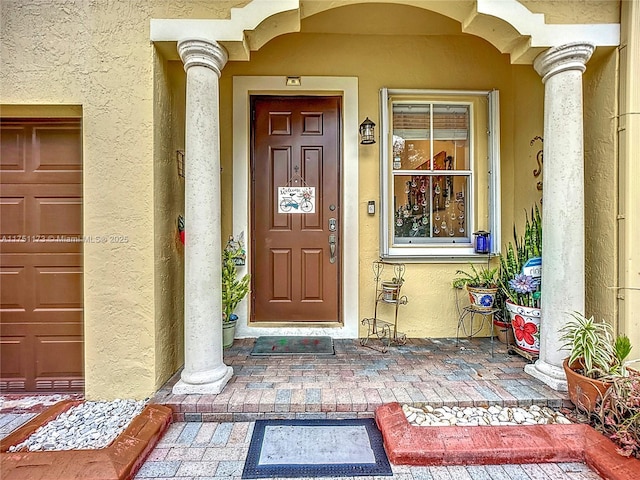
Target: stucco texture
{"points": [[97, 57], [443, 61]]}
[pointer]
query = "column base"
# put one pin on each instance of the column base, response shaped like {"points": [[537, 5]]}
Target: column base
{"points": [[549, 374], [211, 388]]}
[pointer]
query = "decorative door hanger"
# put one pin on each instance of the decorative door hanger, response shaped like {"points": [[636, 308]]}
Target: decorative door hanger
{"points": [[297, 199]]}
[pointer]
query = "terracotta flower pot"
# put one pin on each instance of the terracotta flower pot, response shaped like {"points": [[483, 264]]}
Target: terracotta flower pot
{"points": [[504, 332], [584, 392]]}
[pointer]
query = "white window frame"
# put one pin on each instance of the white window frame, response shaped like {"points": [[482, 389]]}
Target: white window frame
{"points": [[444, 251]]}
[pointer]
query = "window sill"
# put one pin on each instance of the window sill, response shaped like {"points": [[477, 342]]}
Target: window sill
{"points": [[461, 257]]}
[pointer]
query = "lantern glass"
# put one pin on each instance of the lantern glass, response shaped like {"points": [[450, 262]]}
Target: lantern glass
{"points": [[367, 132]]}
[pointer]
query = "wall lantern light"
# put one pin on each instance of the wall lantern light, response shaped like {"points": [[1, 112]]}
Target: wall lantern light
{"points": [[366, 132]]}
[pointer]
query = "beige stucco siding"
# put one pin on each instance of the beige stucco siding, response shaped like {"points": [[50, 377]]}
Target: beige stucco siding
{"points": [[439, 62], [96, 58], [601, 185]]}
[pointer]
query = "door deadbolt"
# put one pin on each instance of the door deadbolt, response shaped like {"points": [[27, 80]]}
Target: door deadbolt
{"points": [[333, 224]]}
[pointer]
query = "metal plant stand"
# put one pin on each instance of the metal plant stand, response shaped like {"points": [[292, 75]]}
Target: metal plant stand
{"points": [[388, 295], [466, 315]]}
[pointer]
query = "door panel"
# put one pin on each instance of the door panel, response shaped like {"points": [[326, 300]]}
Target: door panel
{"points": [[295, 143], [41, 306]]}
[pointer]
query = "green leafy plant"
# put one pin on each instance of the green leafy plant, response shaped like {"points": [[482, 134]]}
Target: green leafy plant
{"points": [[593, 343], [513, 285], [483, 277], [233, 289]]}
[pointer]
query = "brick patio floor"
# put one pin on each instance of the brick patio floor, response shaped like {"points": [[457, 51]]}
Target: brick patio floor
{"points": [[204, 444], [357, 379]]}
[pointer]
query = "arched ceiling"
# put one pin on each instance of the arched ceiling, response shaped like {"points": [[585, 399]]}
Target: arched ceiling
{"points": [[507, 24], [380, 19]]}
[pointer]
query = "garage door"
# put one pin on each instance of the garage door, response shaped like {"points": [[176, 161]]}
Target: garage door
{"points": [[41, 256]]}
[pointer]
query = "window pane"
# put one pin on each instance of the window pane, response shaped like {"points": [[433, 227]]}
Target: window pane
{"points": [[451, 136], [412, 146], [429, 206]]}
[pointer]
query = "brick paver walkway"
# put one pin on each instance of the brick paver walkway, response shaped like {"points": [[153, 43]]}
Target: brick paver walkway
{"points": [[357, 379], [214, 441], [211, 450]]}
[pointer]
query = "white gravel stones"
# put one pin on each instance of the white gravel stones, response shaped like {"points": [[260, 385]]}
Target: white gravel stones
{"points": [[474, 416], [88, 426]]}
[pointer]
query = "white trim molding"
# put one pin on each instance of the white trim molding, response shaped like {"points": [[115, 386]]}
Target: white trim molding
{"points": [[347, 88]]}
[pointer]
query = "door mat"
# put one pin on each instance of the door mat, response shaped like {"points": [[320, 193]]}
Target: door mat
{"points": [[316, 448], [282, 345]]}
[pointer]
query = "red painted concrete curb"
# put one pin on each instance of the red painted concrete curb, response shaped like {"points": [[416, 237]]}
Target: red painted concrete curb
{"points": [[23, 432], [120, 460], [494, 445]]}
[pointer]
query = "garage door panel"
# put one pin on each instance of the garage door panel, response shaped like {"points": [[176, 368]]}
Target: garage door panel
{"points": [[41, 288], [42, 153], [41, 218], [41, 308], [11, 355], [12, 149], [58, 288], [58, 356], [59, 216], [14, 294], [57, 149], [12, 217]]}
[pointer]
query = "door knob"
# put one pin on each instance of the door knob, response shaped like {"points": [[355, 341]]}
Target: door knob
{"points": [[332, 249]]}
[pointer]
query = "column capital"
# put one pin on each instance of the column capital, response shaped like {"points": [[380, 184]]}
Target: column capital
{"points": [[572, 56], [204, 53]]}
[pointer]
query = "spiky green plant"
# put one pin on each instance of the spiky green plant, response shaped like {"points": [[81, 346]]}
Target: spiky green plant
{"points": [[483, 277], [590, 341], [594, 344], [515, 257], [233, 290]]}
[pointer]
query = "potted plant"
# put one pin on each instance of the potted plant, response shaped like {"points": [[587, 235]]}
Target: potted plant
{"points": [[481, 285], [233, 289], [618, 415], [596, 358], [391, 289], [519, 286]]}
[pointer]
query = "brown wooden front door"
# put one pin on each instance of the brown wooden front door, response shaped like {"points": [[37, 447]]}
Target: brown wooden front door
{"points": [[41, 310], [296, 244]]}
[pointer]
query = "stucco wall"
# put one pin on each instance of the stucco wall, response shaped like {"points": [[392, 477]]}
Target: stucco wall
{"points": [[97, 57], [169, 203], [438, 62], [601, 185]]}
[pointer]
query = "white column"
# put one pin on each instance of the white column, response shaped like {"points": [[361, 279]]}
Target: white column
{"points": [[563, 273], [204, 369]]}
